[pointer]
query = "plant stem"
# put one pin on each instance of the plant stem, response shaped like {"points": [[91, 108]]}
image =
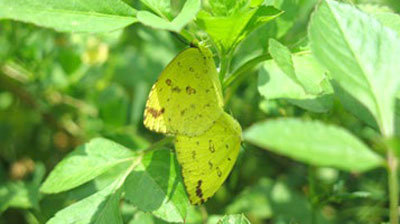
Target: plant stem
{"points": [[233, 81], [244, 68], [185, 34], [312, 195], [225, 62], [162, 142], [393, 187]]}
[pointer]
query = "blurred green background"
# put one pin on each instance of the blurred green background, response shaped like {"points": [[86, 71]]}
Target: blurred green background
{"points": [[59, 90]]}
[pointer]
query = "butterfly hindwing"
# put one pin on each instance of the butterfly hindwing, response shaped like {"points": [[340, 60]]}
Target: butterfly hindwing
{"points": [[207, 160], [187, 97]]}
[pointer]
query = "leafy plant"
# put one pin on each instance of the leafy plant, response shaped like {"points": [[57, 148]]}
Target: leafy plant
{"points": [[313, 84]]}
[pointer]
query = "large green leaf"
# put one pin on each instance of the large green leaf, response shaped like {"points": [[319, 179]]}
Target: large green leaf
{"points": [[283, 58], [361, 55], [228, 30], [187, 14], [89, 16], [312, 90], [85, 163], [101, 207], [314, 143], [156, 186], [160, 7]]}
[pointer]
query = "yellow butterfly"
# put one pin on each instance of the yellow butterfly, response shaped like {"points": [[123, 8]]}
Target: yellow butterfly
{"points": [[187, 97], [207, 159]]}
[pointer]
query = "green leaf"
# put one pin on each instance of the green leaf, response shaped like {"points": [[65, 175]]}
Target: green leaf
{"points": [[361, 55], [187, 14], [263, 15], [160, 7], [51, 204], [388, 19], [314, 143], [292, 10], [313, 92], [237, 219], [156, 186], [354, 106], [227, 7], [85, 163], [142, 218], [283, 58], [101, 207], [227, 31], [87, 16]]}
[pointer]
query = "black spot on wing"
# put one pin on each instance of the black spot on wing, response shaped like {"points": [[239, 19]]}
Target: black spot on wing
{"points": [[219, 173], [211, 146], [199, 192], [190, 90], [193, 154]]}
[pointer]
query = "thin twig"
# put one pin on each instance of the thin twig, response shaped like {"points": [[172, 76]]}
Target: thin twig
{"points": [[159, 144], [246, 67], [393, 187]]}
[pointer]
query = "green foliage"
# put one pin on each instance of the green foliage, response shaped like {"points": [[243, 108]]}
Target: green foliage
{"points": [[314, 143], [21, 194], [156, 186], [70, 16], [187, 14], [162, 8], [313, 84], [368, 68], [228, 24], [86, 163], [388, 19], [297, 78], [283, 59], [239, 219], [101, 207]]}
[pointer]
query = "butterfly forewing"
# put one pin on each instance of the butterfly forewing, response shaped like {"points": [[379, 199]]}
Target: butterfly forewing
{"points": [[187, 97]]}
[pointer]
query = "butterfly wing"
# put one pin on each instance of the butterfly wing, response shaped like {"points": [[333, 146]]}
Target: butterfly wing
{"points": [[207, 160], [187, 97]]}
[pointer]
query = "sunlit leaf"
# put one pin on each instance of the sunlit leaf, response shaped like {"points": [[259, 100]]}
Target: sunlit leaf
{"points": [[187, 14], [88, 16], [237, 219], [361, 55], [312, 91], [156, 186], [85, 163], [314, 143], [101, 207]]}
